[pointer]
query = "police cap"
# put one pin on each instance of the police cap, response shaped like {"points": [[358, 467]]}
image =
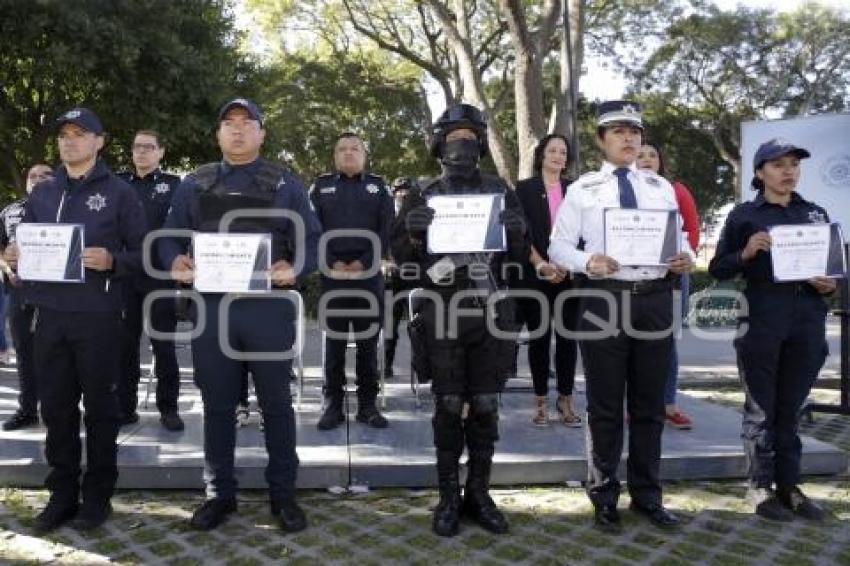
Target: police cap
{"points": [[82, 117], [618, 112], [249, 106]]}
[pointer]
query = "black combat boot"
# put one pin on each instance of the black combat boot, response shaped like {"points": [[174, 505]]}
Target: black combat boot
{"points": [[333, 415], [447, 513], [477, 503]]}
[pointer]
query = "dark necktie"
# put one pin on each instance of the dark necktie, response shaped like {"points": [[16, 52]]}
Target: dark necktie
{"points": [[627, 192]]}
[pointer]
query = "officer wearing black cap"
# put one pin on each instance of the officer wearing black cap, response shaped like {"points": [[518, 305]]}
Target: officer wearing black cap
{"points": [[155, 189], [20, 312], [397, 284], [352, 199], [251, 325], [78, 326], [784, 347], [468, 368], [623, 365]]}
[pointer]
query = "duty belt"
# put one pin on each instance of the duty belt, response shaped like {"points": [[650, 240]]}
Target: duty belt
{"points": [[642, 287]]}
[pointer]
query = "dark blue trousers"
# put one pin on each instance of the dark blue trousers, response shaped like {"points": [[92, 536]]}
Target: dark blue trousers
{"points": [[20, 326], [78, 354], [779, 359], [261, 326]]}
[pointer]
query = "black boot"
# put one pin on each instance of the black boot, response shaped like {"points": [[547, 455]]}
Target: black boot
{"points": [[447, 513], [477, 503], [333, 415], [367, 412]]}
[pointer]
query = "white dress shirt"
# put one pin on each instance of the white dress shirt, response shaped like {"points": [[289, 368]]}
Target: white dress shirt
{"points": [[580, 216]]}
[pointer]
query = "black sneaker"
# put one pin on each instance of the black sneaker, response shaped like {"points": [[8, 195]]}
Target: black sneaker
{"points": [[128, 418], [290, 515], [92, 514], [369, 415], [20, 420], [171, 421], [54, 515], [767, 505], [799, 504], [212, 513]]}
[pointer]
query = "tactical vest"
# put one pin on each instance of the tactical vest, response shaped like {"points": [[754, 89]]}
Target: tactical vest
{"points": [[213, 199]]}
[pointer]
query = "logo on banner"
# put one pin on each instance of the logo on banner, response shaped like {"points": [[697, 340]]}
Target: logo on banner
{"points": [[836, 171]]}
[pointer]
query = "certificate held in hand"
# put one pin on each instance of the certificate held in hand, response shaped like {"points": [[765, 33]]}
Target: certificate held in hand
{"points": [[232, 263], [466, 224], [801, 251], [641, 238], [50, 252]]}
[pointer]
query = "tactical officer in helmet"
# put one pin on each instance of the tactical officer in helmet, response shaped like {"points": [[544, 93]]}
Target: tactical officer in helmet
{"points": [[467, 364]]}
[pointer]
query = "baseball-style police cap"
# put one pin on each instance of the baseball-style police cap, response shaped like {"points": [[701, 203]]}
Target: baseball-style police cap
{"points": [[618, 112], [775, 148], [82, 117], [252, 109]]}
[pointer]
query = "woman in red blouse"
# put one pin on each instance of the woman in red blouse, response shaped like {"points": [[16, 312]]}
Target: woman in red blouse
{"points": [[651, 157]]}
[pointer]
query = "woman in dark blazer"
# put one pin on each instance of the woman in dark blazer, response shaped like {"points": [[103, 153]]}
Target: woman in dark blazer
{"points": [[540, 196]]}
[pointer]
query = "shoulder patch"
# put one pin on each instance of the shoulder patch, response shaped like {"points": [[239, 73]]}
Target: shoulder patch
{"points": [[591, 180]]}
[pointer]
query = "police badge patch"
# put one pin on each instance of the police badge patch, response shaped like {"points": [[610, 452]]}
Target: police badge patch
{"points": [[817, 217], [372, 188], [96, 202], [162, 188]]}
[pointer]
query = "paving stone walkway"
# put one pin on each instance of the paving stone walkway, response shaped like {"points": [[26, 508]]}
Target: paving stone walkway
{"points": [[549, 525]]}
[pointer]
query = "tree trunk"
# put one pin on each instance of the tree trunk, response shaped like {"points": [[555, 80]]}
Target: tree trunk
{"points": [[571, 60], [473, 87]]}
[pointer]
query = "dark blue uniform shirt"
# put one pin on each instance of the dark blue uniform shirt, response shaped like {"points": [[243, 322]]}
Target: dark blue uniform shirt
{"points": [[155, 191], [361, 202], [756, 216], [113, 218], [289, 194]]}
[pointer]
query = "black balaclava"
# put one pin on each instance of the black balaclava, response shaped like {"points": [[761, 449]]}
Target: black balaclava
{"points": [[460, 158]]}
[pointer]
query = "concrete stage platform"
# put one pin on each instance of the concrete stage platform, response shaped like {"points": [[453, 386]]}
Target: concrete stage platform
{"points": [[401, 455]]}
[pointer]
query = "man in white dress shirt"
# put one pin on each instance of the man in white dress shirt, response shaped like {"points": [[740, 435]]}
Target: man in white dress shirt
{"points": [[626, 363]]}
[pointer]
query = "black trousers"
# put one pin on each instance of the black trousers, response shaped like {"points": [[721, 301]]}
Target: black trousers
{"points": [[20, 326], [163, 318], [258, 326], [473, 361], [530, 313], [78, 354], [366, 364], [779, 358], [399, 307], [631, 368]]}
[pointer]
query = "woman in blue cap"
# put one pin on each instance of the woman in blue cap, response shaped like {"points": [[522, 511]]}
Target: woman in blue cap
{"points": [[784, 346]]}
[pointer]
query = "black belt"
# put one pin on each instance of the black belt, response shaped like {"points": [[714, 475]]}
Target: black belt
{"points": [[642, 287]]}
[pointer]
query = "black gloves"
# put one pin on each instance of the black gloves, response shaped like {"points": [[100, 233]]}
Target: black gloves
{"points": [[419, 218]]}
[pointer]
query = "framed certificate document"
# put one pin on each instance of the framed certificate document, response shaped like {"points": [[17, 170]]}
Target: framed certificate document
{"points": [[466, 223], [638, 237], [51, 252], [801, 251], [232, 263]]}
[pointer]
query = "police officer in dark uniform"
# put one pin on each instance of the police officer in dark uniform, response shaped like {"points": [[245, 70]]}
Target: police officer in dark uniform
{"points": [[256, 325], [468, 369], [352, 199], [627, 360], [78, 326], [20, 312], [155, 189], [397, 284], [784, 347]]}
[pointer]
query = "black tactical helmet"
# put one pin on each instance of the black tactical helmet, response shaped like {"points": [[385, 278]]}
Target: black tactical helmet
{"points": [[454, 118]]}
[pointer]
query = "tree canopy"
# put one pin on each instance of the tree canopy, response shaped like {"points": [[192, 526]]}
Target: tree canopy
{"points": [[160, 64]]}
